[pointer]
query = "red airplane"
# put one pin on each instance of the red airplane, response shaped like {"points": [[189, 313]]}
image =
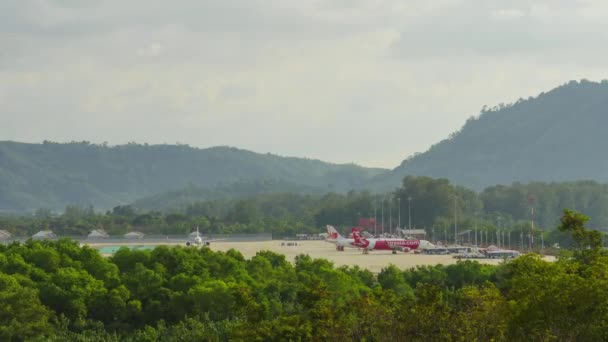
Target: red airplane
{"points": [[390, 244]]}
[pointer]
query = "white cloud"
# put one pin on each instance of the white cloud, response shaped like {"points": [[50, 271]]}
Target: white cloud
{"points": [[365, 81]]}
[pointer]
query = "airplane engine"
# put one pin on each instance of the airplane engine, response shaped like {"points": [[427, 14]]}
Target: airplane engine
{"points": [[188, 243], [207, 243], [372, 244]]}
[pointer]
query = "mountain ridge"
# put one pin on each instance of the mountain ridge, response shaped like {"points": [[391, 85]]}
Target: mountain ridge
{"points": [[52, 175], [522, 142], [554, 137]]}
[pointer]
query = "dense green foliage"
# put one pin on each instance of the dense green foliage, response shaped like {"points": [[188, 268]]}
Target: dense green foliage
{"points": [[58, 291], [279, 214], [52, 175], [557, 136], [182, 198], [432, 204], [517, 214], [548, 200]]}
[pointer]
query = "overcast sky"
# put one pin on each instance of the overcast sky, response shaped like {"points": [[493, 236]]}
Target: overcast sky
{"points": [[364, 81]]}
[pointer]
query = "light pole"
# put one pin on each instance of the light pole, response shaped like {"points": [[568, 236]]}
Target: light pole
{"points": [[399, 223], [409, 212], [455, 223], [382, 216], [542, 238], [390, 217], [375, 219], [475, 228], [497, 238], [531, 239], [500, 237]]}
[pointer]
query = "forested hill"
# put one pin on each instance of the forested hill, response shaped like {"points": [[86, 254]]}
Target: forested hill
{"points": [[557, 136], [53, 175], [182, 198]]}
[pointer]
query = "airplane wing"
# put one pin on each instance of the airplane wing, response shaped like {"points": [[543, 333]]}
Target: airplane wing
{"points": [[202, 242]]}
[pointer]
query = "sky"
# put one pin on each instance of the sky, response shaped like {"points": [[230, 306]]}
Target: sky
{"points": [[369, 82]]}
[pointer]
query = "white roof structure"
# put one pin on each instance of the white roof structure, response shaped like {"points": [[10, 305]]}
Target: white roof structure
{"points": [[134, 235], [98, 234], [4, 235], [44, 234], [413, 231], [368, 235]]}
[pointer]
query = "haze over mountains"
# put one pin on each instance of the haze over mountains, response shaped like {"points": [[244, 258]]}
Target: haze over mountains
{"points": [[557, 136]]}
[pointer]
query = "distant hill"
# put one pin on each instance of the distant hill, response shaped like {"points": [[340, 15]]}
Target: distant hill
{"points": [[557, 136], [53, 175], [181, 198]]}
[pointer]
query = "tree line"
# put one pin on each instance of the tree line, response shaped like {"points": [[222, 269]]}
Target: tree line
{"points": [[57, 291], [515, 214]]}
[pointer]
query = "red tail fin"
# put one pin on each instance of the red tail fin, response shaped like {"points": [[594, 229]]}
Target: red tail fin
{"points": [[332, 233], [356, 235]]}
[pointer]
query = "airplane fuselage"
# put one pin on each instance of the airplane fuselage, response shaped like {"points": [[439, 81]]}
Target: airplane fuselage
{"points": [[386, 244], [342, 242]]}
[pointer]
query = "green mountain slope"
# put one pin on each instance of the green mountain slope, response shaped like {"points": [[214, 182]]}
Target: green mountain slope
{"points": [[52, 175], [558, 136], [181, 198]]}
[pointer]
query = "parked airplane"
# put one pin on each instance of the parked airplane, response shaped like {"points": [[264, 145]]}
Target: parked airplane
{"points": [[391, 244], [199, 240], [425, 244], [502, 254], [333, 236]]}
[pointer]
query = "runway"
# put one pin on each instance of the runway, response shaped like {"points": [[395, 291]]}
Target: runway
{"points": [[374, 261]]}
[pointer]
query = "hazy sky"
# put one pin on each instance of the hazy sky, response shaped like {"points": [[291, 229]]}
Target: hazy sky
{"points": [[369, 82]]}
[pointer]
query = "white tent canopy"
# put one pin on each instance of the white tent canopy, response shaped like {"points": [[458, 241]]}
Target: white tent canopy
{"points": [[134, 235], [412, 231], [98, 234], [4, 235], [44, 234]]}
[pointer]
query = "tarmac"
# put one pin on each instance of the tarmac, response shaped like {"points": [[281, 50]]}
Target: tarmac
{"points": [[374, 261]]}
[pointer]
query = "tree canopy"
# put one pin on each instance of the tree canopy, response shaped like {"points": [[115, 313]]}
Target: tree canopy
{"points": [[59, 291]]}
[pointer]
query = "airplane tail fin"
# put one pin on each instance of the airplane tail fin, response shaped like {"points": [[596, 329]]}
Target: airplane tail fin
{"points": [[332, 233], [356, 235]]}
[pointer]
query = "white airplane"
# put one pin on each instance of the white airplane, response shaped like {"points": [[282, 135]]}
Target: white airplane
{"points": [[199, 240], [334, 237], [502, 254], [425, 244]]}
